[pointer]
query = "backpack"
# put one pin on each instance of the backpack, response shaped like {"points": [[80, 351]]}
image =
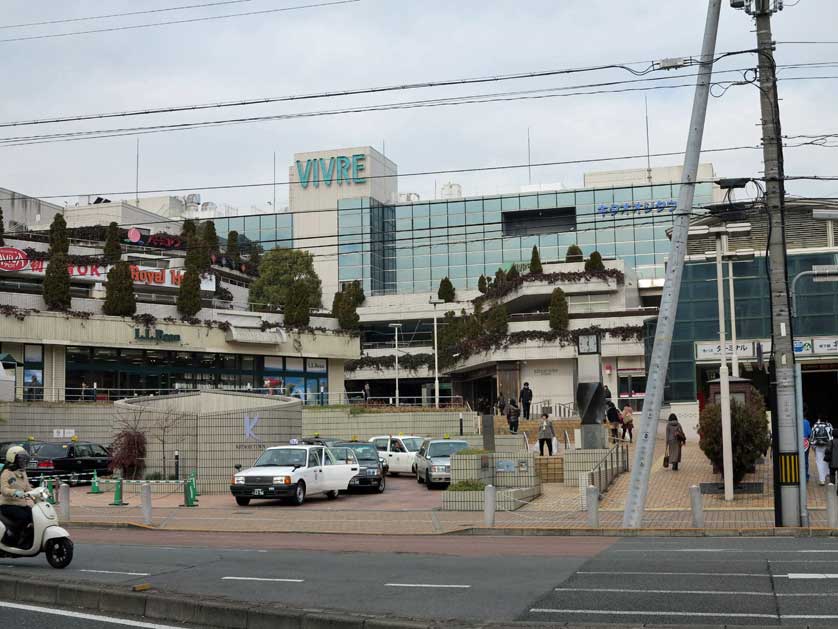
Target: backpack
{"points": [[820, 434]]}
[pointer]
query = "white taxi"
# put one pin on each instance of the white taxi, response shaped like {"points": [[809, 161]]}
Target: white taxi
{"points": [[398, 452], [293, 472]]}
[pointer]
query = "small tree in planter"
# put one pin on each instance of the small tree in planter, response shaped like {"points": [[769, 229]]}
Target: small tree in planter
{"points": [[119, 292], [57, 283], [58, 241], [594, 263], [297, 308], [233, 251], [209, 236], [558, 311], [750, 435], [446, 290], [535, 262], [189, 294], [188, 231], [2, 229], [113, 250], [482, 286], [574, 254]]}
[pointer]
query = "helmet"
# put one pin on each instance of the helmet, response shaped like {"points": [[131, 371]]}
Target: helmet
{"points": [[12, 452]]}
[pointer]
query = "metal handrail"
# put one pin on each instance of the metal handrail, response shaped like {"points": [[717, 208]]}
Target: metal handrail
{"points": [[612, 464]]}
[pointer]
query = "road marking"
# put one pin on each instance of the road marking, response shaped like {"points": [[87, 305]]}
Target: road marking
{"points": [[719, 550], [425, 585], [262, 579], [68, 614], [631, 591], [686, 574], [805, 575], [602, 612], [130, 574]]}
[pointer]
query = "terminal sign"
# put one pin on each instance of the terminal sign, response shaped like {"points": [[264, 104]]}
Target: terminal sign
{"points": [[340, 170], [156, 336]]}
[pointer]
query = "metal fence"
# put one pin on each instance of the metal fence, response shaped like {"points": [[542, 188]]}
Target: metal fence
{"points": [[614, 463]]}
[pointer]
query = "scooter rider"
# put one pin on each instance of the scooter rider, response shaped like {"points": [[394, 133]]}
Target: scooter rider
{"points": [[13, 487]]}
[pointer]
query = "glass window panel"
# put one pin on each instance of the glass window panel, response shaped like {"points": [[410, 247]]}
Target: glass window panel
{"points": [[604, 196], [457, 259], [621, 195], [438, 273], [510, 203], [458, 272], [423, 273], [421, 210], [624, 249], [439, 208], [547, 200], [33, 354], [474, 207], [439, 221], [237, 224], [529, 202], [492, 205], [494, 257], [476, 258], [662, 192]]}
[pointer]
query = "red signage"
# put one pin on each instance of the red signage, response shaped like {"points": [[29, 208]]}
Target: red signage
{"points": [[12, 259]]}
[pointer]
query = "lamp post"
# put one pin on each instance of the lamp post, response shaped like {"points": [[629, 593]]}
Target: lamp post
{"points": [[434, 301], [396, 327], [819, 273], [720, 254]]}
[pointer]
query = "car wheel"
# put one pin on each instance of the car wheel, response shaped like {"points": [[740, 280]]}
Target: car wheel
{"points": [[299, 494], [419, 478], [428, 482], [331, 495], [394, 473], [242, 501], [381, 486]]}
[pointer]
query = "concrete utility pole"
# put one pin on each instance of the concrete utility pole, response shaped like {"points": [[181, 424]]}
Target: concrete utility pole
{"points": [[645, 452], [786, 427]]}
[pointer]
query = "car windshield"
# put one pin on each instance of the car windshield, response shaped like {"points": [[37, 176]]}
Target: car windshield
{"points": [[281, 458], [52, 451], [446, 448], [364, 451], [412, 443]]}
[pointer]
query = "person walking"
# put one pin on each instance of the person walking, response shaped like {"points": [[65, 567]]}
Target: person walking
{"points": [[807, 439], [613, 417], [820, 439], [367, 392], [513, 414], [831, 456], [526, 399], [607, 392], [546, 434], [628, 422], [675, 439]]}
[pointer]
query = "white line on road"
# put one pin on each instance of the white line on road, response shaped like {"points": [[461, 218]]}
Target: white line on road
{"points": [[79, 615], [685, 574], [718, 550], [806, 575], [425, 585], [262, 579], [130, 574], [602, 612], [633, 591]]}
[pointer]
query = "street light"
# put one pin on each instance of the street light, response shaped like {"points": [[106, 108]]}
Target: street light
{"points": [[396, 327], [435, 301], [720, 254]]}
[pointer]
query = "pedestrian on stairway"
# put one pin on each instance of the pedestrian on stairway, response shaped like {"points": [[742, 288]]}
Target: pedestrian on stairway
{"points": [[513, 414], [613, 417], [546, 434], [526, 399], [675, 439], [628, 422], [821, 438]]}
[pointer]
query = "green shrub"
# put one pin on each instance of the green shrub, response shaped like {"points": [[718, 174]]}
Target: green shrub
{"points": [[446, 290], [559, 318], [113, 250], [467, 485], [189, 294], [513, 274], [56, 287], [535, 262], [750, 436], [482, 286], [209, 236], [594, 263], [119, 292], [58, 241], [574, 254]]}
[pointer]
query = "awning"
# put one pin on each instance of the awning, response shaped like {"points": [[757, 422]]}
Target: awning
{"points": [[256, 336]]}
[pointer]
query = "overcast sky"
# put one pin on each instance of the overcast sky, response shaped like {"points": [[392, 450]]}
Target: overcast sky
{"points": [[382, 42]]}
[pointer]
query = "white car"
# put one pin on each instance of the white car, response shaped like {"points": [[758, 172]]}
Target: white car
{"points": [[294, 472], [399, 453]]}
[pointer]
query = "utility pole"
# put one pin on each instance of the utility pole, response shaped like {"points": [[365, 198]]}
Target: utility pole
{"points": [[645, 450], [786, 427]]}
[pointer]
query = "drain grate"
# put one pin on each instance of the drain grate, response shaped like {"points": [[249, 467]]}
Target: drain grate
{"points": [[741, 488]]}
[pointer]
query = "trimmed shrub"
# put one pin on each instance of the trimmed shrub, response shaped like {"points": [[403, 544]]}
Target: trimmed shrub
{"points": [[286, 276], [574, 254], [594, 263], [119, 292], [188, 230], [2, 229], [56, 288], [58, 241], [233, 251], [513, 274], [446, 290], [482, 286], [113, 250], [535, 262], [209, 236], [189, 293], [558, 311], [297, 308]]}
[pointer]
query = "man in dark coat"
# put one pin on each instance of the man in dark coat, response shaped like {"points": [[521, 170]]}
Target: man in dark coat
{"points": [[526, 400]]}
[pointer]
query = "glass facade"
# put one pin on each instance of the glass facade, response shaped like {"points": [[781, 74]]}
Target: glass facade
{"points": [[270, 230], [698, 312], [409, 248]]}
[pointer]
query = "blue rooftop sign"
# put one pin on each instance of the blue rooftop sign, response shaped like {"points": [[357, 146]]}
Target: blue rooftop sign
{"points": [[341, 169], [638, 206]]}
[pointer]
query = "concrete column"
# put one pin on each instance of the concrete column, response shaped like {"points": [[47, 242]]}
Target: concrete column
{"points": [[489, 505], [593, 506], [831, 507], [64, 501], [697, 507], [145, 497]]}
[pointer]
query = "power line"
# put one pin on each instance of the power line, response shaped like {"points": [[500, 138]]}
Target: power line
{"points": [[389, 176], [184, 21], [130, 13]]}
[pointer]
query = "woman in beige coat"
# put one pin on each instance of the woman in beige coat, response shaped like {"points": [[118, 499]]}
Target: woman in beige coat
{"points": [[675, 438]]}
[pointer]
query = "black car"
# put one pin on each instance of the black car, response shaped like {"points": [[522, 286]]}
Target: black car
{"points": [[372, 474], [72, 461], [317, 440], [27, 445]]}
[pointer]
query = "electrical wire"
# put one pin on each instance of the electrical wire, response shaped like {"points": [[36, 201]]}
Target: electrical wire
{"points": [[111, 29], [130, 13]]}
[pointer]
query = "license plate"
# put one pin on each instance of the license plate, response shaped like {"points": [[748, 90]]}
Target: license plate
{"points": [[258, 492], [371, 472]]}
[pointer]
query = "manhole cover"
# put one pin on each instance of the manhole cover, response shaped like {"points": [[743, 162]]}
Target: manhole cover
{"points": [[741, 488]]}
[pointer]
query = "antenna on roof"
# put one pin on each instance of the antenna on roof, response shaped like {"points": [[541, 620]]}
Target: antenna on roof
{"points": [[648, 150]]}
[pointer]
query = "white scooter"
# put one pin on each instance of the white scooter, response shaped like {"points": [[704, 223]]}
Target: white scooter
{"points": [[47, 536]]}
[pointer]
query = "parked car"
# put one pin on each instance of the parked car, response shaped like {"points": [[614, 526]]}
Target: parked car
{"points": [[293, 472], [317, 440], [371, 474], [399, 453], [73, 461], [433, 461]]}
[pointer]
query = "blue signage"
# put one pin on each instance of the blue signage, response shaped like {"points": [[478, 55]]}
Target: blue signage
{"points": [[639, 206], [341, 169]]}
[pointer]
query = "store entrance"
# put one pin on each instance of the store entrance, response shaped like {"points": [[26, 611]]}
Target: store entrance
{"points": [[819, 386]]}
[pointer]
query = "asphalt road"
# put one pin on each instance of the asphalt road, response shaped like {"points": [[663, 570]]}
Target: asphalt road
{"points": [[37, 617], [656, 581]]}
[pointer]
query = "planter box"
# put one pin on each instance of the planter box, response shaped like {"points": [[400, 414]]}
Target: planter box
{"points": [[507, 499]]}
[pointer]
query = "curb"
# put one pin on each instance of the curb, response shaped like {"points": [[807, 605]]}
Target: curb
{"points": [[620, 532]]}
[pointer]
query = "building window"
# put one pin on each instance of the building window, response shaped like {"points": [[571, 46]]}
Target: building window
{"points": [[33, 372], [534, 222]]}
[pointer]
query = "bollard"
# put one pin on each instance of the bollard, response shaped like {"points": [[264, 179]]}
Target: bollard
{"points": [[94, 485], [489, 505], [697, 506], [177, 466], [50, 491], [145, 495], [461, 424], [592, 500], [117, 495], [193, 476], [831, 506], [64, 501], [189, 494]]}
